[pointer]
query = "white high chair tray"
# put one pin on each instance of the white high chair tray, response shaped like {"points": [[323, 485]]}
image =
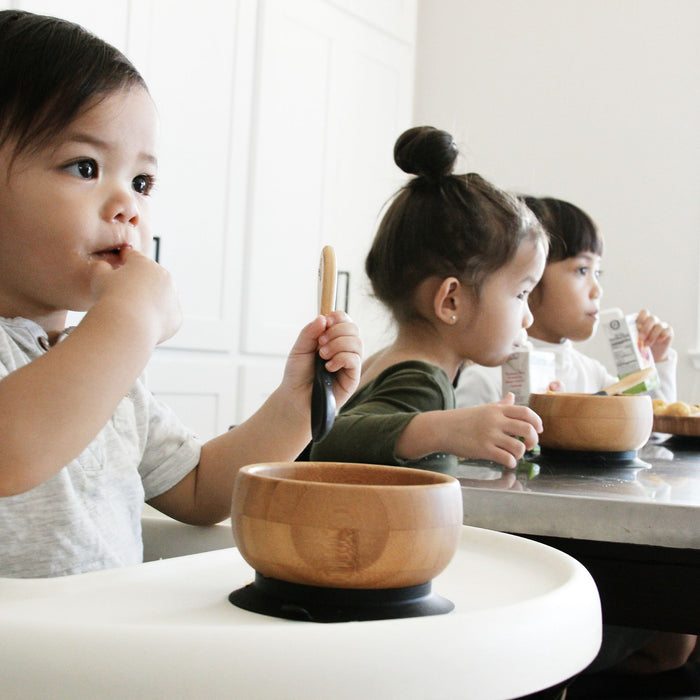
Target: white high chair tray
{"points": [[526, 617]]}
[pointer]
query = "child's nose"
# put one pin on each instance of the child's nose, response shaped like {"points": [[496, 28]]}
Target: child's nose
{"points": [[121, 207], [528, 318]]}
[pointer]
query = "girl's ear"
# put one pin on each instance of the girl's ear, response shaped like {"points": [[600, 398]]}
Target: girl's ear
{"points": [[447, 302]]}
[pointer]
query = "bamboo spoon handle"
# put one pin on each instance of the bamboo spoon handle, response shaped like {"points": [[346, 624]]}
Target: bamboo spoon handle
{"points": [[327, 277]]}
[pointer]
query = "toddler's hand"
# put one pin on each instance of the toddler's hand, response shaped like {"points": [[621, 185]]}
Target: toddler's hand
{"points": [[337, 339], [499, 431], [341, 346], [655, 334], [142, 285]]}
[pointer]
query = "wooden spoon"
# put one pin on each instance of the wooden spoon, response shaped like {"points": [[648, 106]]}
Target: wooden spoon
{"points": [[626, 382], [322, 396]]}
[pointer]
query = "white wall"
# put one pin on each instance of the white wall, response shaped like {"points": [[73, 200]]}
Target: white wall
{"points": [[594, 101]]}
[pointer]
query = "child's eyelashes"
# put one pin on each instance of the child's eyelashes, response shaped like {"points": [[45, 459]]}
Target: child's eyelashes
{"points": [[144, 184]]}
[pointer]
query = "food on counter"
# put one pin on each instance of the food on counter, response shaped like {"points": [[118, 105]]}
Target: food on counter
{"points": [[677, 408]]}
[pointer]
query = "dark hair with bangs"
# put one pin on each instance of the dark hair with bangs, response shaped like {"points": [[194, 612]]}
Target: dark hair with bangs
{"points": [[571, 231], [442, 224], [50, 71]]}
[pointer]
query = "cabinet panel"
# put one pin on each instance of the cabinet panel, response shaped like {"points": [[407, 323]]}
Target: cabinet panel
{"points": [[201, 392], [287, 179], [189, 61], [369, 107], [257, 379], [333, 94]]}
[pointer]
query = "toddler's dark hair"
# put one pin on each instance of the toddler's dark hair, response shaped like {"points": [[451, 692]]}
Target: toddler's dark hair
{"points": [[50, 71], [571, 231], [442, 224]]}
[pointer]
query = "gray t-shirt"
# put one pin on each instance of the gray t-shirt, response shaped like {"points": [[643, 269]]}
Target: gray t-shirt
{"points": [[88, 516]]}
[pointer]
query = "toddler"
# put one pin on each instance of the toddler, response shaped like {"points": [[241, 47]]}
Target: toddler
{"points": [[454, 260], [82, 441]]}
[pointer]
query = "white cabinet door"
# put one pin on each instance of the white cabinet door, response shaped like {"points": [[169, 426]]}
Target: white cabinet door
{"points": [[333, 92], [202, 392], [197, 62], [198, 65]]}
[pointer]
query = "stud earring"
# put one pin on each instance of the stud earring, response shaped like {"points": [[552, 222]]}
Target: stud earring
{"points": [[454, 318]]}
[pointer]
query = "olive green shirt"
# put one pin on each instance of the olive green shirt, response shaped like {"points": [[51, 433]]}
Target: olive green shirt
{"points": [[371, 422]]}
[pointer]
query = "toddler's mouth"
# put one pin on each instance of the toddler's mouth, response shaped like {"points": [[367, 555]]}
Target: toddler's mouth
{"points": [[113, 256]]}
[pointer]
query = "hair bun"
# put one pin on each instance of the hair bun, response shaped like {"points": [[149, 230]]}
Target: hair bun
{"points": [[426, 151]]}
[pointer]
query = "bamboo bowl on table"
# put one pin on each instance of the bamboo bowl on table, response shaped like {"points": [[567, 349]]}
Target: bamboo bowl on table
{"points": [[593, 423], [344, 525]]}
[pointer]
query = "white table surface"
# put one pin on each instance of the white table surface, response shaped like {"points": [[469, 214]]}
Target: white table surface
{"points": [[527, 617]]}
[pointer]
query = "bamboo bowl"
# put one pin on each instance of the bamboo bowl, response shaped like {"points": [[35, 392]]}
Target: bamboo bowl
{"points": [[593, 423], [342, 525]]}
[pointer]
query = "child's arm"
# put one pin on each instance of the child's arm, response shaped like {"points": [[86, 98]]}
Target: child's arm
{"points": [[278, 431], [499, 431], [656, 334], [54, 406]]}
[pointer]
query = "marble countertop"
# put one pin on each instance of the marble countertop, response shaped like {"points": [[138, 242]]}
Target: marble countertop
{"points": [[653, 499]]}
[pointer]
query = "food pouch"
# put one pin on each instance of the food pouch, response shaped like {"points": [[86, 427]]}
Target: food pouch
{"points": [[528, 371], [629, 354]]}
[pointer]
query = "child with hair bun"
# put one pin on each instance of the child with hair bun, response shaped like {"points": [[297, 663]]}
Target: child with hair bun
{"points": [[454, 260], [565, 306]]}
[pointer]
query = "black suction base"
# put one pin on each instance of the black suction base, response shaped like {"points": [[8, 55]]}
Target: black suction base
{"points": [[591, 457], [291, 601]]}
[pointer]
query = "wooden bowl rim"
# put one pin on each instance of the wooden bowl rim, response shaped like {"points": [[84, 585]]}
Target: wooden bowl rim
{"points": [[433, 479], [591, 406], [564, 394]]}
